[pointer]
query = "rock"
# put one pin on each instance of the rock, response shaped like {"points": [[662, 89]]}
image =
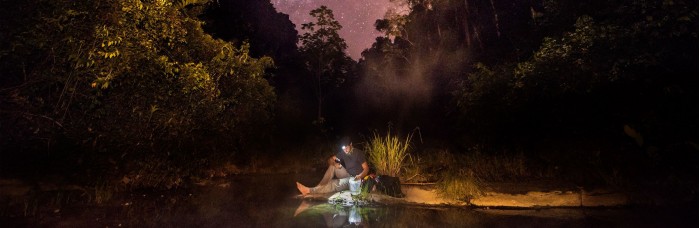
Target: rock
{"points": [[346, 199]]}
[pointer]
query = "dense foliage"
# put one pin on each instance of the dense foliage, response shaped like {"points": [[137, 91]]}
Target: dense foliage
{"points": [[127, 83], [631, 62], [561, 66], [600, 91], [139, 89]]}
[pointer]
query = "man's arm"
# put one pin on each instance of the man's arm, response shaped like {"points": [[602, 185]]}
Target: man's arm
{"points": [[365, 171]]}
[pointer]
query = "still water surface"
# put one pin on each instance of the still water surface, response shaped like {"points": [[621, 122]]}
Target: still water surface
{"points": [[268, 201]]}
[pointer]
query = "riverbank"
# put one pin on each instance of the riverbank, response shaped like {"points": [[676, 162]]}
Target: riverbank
{"points": [[528, 195]]}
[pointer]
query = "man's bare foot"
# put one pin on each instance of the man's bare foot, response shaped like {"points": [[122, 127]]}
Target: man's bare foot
{"points": [[303, 189]]}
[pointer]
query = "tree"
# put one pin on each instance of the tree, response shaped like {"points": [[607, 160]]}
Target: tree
{"points": [[324, 55], [625, 62], [133, 80]]}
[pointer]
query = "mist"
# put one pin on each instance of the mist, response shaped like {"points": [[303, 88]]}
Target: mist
{"points": [[408, 91]]}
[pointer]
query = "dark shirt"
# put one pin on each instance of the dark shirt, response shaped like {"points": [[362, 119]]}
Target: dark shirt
{"points": [[353, 161]]}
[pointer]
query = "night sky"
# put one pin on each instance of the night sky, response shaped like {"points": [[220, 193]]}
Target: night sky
{"points": [[356, 16]]}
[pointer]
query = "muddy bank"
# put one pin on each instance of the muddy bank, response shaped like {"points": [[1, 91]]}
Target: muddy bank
{"points": [[516, 196]]}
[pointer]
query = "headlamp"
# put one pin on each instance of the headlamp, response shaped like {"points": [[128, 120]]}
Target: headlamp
{"points": [[342, 147]]}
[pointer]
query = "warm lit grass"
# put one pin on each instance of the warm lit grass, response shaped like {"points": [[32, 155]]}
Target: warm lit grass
{"points": [[458, 175], [413, 171], [388, 153], [460, 185]]}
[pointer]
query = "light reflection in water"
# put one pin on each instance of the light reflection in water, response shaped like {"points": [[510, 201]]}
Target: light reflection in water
{"points": [[269, 201], [330, 215], [333, 215]]}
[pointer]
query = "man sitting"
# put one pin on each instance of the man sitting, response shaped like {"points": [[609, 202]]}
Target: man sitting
{"points": [[345, 165]]}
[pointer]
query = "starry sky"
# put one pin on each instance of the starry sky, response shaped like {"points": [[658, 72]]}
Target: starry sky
{"points": [[356, 16]]}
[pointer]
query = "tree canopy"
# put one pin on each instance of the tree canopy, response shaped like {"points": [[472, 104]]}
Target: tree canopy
{"points": [[129, 79], [520, 65]]}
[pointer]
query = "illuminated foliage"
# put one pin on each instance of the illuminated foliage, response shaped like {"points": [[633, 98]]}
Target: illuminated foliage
{"points": [[387, 153], [133, 75]]}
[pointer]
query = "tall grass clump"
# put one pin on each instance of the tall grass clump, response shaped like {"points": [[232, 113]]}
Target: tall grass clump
{"points": [[459, 185], [388, 153]]}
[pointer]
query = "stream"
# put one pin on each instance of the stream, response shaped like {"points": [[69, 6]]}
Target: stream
{"points": [[269, 201]]}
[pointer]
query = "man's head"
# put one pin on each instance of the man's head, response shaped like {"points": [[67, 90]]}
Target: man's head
{"points": [[346, 144]]}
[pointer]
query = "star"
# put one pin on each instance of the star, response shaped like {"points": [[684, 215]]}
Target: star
{"points": [[356, 16]]}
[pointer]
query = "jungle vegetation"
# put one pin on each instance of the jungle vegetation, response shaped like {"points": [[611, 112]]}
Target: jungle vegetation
{"points": [[151, 93]]}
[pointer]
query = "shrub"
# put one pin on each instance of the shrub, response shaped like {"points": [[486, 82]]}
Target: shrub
{"points": [[460, 185], [388, 153], [127, 81]]}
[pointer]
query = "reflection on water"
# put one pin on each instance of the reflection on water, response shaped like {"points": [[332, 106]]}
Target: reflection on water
{"points": [[269, 201], [329, 215], [333, 215]]}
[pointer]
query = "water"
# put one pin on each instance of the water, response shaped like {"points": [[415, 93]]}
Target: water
{"points": [[325, 215], [268, 201]]}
